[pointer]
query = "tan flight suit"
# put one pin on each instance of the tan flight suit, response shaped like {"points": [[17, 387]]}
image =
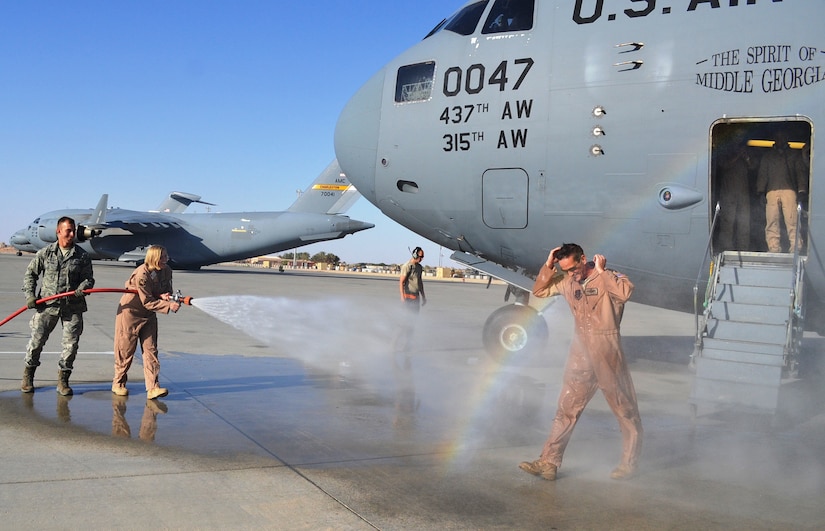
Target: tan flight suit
{"points": [[595, 360], [137, 321], [779, 180]]}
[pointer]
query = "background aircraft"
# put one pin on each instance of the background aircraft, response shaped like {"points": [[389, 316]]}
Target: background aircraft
{"points": [[28, 241], [516, 125], [194, 240]]}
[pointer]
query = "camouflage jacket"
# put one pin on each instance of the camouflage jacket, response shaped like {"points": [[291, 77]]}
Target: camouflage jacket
{"points": [[59, 275]]}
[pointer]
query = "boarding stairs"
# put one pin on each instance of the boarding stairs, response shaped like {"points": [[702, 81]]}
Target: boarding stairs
{"points": [[750, 332]]}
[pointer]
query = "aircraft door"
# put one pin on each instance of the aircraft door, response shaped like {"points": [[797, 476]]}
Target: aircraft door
{"points": [[504, 198], [756, 169]]}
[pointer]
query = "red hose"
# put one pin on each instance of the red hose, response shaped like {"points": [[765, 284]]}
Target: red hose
{"points": [[52, 297]]}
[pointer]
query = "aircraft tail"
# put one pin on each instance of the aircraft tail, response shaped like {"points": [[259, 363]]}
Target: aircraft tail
{"points": [[330, 193], [177, 202], [99, 215]]}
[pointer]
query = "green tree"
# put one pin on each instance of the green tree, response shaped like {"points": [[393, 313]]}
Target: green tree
{"points": [[327, 258]]}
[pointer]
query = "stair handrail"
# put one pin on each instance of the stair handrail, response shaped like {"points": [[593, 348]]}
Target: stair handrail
{"points": [[697, 345], [795, 303]]}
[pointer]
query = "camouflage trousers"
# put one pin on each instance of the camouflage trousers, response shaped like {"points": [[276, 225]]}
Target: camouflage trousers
{"points": [[42, 324]]}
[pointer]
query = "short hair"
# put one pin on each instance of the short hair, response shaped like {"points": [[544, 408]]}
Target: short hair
{"points": [[570, 249], [153, 254], [65, 219]]}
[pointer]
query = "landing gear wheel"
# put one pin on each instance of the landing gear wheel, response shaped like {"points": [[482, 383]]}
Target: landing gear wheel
{"points": [[514, 331]]}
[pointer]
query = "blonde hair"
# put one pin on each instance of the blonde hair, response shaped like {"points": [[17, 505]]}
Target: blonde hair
{"points": [[152, 260]]}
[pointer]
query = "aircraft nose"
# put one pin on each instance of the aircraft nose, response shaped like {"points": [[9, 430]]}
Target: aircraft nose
{"points": [[356, 136], [20, 238]]}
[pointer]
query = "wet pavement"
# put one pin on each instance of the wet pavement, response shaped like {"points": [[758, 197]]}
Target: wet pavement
{"points": [[293, 413]]}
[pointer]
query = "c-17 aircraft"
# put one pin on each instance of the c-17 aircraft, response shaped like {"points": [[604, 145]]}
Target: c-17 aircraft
{"points": [[194, 240], [517, 125], [21, 240]]}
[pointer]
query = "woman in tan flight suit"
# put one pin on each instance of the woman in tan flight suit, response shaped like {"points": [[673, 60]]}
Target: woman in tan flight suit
{"points": [[137, 321]]}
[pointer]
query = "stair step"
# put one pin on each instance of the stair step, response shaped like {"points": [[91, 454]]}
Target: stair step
{"points": [[754, 294], [749, 313], [756, 276], [766, 349], [753, 332], [749, 258], [741, 356], [736, 394], [742, 373]]}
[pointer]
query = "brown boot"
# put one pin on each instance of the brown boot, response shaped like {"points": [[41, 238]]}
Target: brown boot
{"points": [[63, 383], [27, 385], [540, 468], [157, 392], [623, 472]]}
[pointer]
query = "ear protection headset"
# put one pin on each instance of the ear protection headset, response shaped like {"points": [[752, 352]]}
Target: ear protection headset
{"points": [[416, 251]]}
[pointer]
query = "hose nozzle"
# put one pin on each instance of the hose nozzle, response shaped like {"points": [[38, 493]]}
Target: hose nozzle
{"points": [[180, 299]]}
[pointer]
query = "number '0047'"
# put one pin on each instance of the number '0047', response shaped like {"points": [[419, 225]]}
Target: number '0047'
{"points": [[474, 78]]}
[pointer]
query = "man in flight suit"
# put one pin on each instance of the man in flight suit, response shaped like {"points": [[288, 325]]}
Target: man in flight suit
{"points": [[64, 267], [778, 182], [596, 297]]}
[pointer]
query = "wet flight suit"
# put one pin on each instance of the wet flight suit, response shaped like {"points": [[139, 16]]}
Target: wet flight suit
{"points": [[595, 360], [137, 320]]}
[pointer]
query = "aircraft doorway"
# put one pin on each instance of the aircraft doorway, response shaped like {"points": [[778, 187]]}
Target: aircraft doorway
{"points": [[749, 176]]}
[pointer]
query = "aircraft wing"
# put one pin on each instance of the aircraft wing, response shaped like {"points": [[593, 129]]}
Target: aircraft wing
{"points": [[139, 222], [494, 270]]}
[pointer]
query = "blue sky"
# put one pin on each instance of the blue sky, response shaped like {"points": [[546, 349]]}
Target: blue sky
{"points": [[234, 101]]}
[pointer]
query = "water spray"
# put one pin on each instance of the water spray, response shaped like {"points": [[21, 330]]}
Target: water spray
{"points": [[177, 297]]}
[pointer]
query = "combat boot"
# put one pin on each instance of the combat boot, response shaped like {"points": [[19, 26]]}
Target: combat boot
{"points": [[540, 468], [27, 385], [63, 382], [157, 392], [622, 472]]}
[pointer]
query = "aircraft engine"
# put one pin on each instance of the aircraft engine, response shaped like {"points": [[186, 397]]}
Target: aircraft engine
{"points": [[85, 233]]}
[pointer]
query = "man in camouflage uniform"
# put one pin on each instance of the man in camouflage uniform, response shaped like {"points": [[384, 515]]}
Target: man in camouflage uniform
{"points": [[63, 267]]}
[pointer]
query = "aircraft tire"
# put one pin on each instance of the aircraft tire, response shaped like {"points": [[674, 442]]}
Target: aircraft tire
{"points": [[514, 331]]}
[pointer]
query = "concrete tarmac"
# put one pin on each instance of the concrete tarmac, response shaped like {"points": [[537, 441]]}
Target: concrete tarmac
{"points": [[288, 410]]}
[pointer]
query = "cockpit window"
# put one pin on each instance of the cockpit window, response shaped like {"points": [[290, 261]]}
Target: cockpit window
{"points": [[414, 82], [509, 15], [463, 22]]}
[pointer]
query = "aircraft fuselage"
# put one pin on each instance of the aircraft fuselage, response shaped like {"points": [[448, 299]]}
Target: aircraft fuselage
{"points": [[597, 125]]}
